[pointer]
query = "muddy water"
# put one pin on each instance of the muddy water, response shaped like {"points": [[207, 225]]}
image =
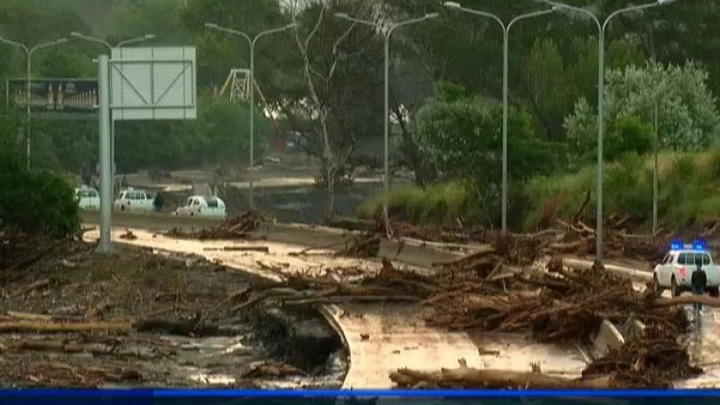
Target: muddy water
{"points": [[704, 348]]}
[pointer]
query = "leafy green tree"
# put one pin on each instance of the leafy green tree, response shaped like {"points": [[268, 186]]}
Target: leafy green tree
{"points": [[37, 201], [688, 118], [464, 140]]}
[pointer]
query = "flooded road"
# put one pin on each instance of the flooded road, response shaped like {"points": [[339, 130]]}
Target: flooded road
{"points": [[704, 348]]}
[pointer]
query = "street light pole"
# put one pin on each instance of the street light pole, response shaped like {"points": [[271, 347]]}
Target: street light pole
{"points": [[387, 34], [602, 27], [109, 49], [28, 66], [506, 57], [251, 43], [655, 168]]}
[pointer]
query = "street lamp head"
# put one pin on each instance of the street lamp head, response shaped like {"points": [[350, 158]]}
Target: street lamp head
{"points": [[61, 40], [344, 16], [211, 25], [75, 34], [293, 25], [149, 36], [452, 4], [431, 15], [663, 2]]}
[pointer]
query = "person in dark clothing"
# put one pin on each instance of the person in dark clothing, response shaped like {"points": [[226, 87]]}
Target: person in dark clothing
{"points": [[698, 282], [158, 202]]}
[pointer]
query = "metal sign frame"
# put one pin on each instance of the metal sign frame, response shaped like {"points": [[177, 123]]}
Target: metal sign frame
{"points": [[153, 83]]}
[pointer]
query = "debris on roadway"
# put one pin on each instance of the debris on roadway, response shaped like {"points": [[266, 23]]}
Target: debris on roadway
{"points": [[238, 227], [72, 318]]}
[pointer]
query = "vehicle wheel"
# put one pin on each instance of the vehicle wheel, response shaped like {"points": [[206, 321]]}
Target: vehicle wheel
{"points": [[714, 291], [122, 208], [674, 289], [192, 214], [656, 285]]}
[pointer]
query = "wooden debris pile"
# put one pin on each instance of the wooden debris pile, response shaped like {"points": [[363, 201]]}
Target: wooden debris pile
{"points": [[653, 361], [362, 246], [238, 227], [579, 239], [447, 234]]}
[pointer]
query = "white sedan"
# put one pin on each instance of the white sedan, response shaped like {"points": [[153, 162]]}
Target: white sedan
{"points": [[202, 206], [87, 198]]}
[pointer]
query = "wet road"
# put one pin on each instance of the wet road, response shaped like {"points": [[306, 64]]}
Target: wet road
{"points": [[704, 348]]}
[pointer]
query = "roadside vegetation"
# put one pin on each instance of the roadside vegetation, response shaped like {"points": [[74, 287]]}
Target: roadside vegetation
{"points": [[33, 201], [322, 81], [460, 135]]}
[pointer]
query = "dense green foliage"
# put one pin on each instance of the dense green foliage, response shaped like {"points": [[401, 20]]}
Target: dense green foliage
{"points": [[687, 113], [37, 201], [323, 80]]}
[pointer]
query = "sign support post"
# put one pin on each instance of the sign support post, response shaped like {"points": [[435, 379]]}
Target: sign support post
{"points": [[105, 243]]}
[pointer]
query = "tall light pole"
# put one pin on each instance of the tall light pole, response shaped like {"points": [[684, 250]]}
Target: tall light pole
{"points": [[506, 45], [387, 34], [109, 48], [29, 53], [602, 27], [251, 43]]}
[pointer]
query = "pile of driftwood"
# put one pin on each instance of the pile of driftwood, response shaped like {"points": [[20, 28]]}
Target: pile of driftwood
{"points": [[578, 238], [362, 246], [498, 289], [572, 236], [238, 227]]}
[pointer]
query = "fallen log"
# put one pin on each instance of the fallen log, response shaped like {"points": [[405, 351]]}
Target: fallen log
{"points": [[581, 210], [64, 327], [61, 347], [465, 377], [28, 316], [261, 249], [39, 284], [486, 250], [686, 300]]}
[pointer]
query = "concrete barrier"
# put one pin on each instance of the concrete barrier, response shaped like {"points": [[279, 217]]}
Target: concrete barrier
{"points": [[607, 338]]}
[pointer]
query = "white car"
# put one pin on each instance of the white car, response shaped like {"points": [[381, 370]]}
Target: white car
{"points": [[202, 206], [675, 270], [87, 198], [134, 200]]}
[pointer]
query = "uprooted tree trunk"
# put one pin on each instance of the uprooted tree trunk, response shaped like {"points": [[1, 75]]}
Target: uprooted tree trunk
{"points": [[466, 377]]}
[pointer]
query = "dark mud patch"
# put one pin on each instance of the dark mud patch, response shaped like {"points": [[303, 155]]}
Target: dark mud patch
{"points": [[301, 337]]}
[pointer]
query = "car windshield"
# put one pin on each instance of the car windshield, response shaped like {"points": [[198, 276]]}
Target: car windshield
{"points": [[212, 202], [691, 258], [87, 193]]}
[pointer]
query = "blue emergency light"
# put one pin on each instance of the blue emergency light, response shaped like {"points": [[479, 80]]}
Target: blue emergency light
{"points": [[700, 244], [677, 244]]}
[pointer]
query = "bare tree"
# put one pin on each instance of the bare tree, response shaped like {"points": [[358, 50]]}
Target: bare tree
{"points": [[319, 75]]}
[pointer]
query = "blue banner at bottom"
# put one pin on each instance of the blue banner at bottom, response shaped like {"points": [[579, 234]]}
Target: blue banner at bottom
{"points": [[365, 397]]}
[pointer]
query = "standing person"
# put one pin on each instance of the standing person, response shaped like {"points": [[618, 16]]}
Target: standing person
{"points": [[699, 283], [158, 202]]}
